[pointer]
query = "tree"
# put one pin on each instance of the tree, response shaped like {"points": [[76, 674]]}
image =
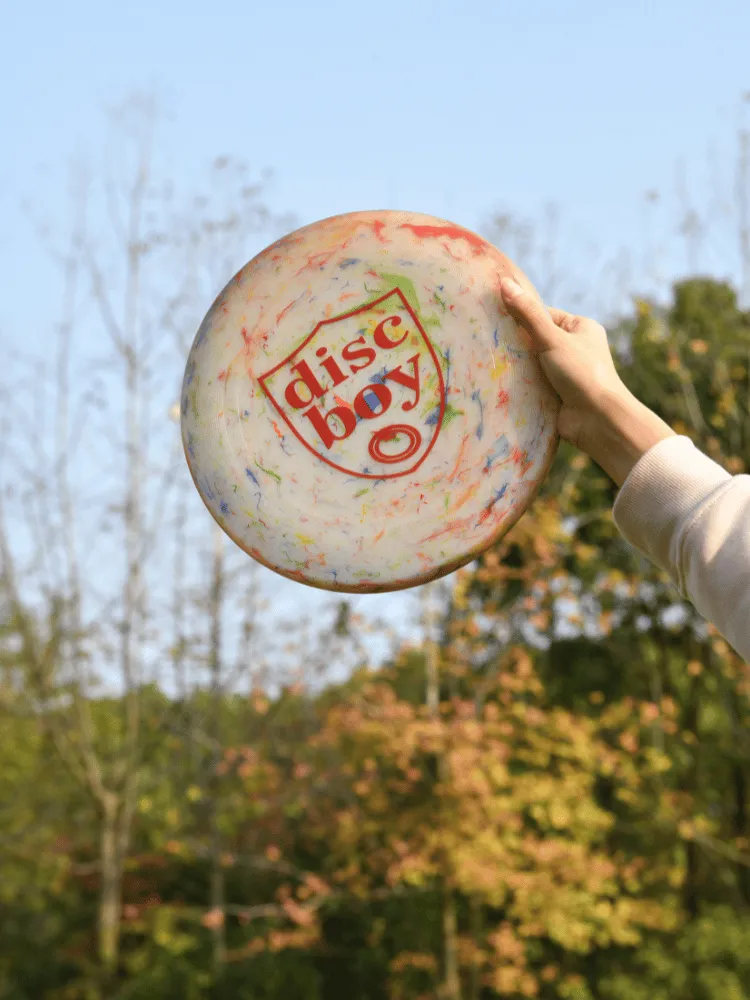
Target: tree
{"points": [[85, 501]]}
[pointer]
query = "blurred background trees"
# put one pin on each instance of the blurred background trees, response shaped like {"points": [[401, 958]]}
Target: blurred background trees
{"points": [[203, 794]]}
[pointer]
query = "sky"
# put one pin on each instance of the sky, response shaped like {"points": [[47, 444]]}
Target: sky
{"points": [[453, 109]]}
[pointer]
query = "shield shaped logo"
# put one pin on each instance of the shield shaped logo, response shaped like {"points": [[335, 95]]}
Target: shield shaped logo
{"points": [[364, 392]]}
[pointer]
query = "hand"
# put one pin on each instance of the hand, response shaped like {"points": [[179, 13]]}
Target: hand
{"points": [[574, 356], [599, 414]]}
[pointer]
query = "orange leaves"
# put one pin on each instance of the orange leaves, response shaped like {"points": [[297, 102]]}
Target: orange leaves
{"points": [[313, 885], [259, 702], [414, 869], [510, 981], [498, 800], [301, 915], [541, 620], [649, 712], [414, 960], [506, 944], [302, 938], [213, 919]]}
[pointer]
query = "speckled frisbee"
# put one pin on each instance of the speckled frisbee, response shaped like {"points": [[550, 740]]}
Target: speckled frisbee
{"points": [[359, 412]]}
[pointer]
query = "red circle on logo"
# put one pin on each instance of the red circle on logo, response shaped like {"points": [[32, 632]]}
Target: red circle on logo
{"points": [[386, 433]]}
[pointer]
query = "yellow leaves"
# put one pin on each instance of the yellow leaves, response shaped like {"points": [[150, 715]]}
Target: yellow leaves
{"points": [[559, 815], [686, 829], [573, 987], [194, 794], [698, 346], [727, 402], [657, 761], [413, 869], [694, 668], [568, 930], [586, 553], [720, 647], [676, 876], [695, 827], [596, 697]]}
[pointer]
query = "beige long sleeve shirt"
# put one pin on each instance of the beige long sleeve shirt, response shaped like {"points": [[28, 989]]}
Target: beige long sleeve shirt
{"points": [[691, 518]]}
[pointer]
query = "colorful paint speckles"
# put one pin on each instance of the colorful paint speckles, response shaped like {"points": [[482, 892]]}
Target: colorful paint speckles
{"points": [[359, 413]]}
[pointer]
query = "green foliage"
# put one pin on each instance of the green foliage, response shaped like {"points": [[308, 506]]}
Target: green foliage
{"points": [[571, 823]]}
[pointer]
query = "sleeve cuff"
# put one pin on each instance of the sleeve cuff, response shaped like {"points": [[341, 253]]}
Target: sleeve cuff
{"points": [[663, 489]]}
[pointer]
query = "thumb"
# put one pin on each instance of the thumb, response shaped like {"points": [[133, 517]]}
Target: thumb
{"points": [[530, 311]]}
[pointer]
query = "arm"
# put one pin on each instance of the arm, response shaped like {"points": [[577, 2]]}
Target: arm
{"points": [[676, 506], [625, 429]]}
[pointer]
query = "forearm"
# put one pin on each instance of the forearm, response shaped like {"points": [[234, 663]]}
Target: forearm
{"points": [[623, 431]]}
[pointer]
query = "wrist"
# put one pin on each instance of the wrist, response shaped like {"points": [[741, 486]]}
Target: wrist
{"points": [[624, 430]]}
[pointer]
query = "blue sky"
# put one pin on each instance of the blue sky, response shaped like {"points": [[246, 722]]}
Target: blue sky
{"points": [[449, 108], [453, 109]]}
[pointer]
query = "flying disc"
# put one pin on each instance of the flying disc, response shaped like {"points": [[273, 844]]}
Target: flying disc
{"points": [[359, 412]]}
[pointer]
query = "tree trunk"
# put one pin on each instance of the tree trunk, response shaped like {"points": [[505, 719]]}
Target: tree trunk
{"points": [[476, 933], [110, 896], [691, 785], [452, 981], [217, 872]]}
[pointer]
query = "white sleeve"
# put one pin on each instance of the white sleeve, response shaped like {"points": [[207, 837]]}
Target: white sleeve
{"points": [[691, 518]]}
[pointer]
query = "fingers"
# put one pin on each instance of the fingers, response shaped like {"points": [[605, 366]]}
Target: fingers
{"points": [[531, 312], [565, 320]]}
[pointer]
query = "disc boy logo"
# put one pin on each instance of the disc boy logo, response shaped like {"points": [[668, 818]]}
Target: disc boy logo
{"points": [[364, 392]]}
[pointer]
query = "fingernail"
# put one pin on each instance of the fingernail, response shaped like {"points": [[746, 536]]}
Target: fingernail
{"points": [[510, 288]]}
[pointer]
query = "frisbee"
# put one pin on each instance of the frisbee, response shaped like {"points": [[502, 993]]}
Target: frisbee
{"points": [[359, 412]]}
